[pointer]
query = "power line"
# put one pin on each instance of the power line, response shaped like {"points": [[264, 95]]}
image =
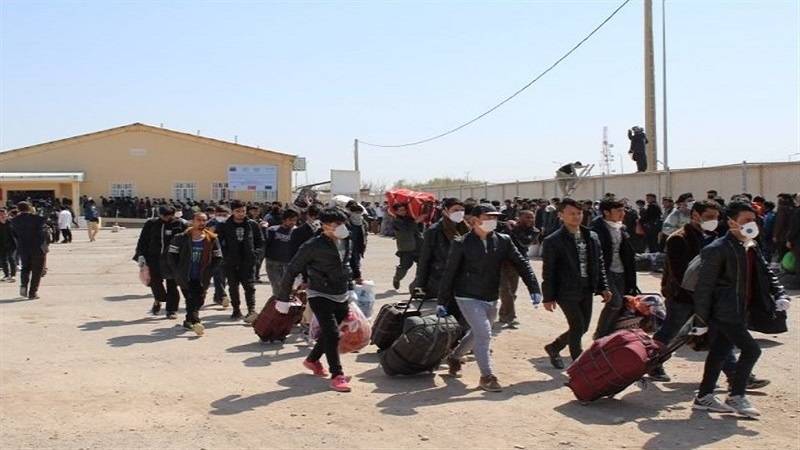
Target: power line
{"points": [[509, 98]]}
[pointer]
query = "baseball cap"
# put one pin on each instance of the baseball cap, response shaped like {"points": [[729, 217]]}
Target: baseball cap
{"points": [[484, 208]]}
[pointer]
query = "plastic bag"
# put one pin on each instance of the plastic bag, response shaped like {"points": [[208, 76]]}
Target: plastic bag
{"points": [[144, 275], [789, 262], [366, 296], [354, 331]]}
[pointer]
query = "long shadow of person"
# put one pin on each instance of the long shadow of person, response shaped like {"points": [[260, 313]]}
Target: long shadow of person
{"points": [[697, 431], [268, 353], [299, 385], [156, 335], [100, 324]]}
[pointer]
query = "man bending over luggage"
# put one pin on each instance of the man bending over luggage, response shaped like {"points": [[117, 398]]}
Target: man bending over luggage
{"points": [[572, 272], [326, 259], [472, 279]]}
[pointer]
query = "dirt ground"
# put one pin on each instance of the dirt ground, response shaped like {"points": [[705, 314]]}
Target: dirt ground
{"points": [[87, 366]]}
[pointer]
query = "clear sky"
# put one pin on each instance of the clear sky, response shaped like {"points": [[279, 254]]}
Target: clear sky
{"points": [[307, 78]]}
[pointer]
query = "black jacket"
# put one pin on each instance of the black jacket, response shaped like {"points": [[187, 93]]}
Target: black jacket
{"points": [[473, 268], [180, 258], [327, 271], [155, 237], [561, 272], [253, 242], [31, 233], [278, 247], [650, 218], [433, 258], [626, 253], [7, 242], [720, 294], [299, 237]]}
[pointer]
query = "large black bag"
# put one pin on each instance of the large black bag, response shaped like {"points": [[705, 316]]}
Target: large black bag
{"points": [[767, 322], [388, 325], [422, 346]]}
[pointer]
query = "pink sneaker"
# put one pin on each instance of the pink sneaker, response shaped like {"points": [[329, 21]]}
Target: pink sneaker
{"points": [[315, 367], [339, 383]]}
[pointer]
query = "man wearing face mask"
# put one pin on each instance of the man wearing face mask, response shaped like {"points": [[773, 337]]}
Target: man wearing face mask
{"points": [[619, 259], [436, 242], [573, 271], [734, 278], [152, 249], [219, 215], [326, 260], [472, 279], [680, 216], [358, 236]]}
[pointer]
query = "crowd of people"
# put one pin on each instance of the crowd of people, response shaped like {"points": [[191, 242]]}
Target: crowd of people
{"points": [[470, 256]]}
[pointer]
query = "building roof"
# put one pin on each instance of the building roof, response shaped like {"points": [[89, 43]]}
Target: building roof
{"points": [[140, 127], [41, 176]]}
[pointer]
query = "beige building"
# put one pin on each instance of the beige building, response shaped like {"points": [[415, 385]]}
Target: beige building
{"points": [[144, 161]]}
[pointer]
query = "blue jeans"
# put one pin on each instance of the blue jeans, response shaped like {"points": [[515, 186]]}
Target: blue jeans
{"points": [[480, 315]]}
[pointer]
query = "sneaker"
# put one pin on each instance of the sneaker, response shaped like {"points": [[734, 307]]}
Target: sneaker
{"points": [[156, 308], [395, 283], [23, 291], [198, 328], [753, 383], [339, 383], [315, 367], [226, 302], [11, 280], [740, 404], [237, 315], [709, 402], [658, 374], [250, 317], [33, 296], [454, 366], [187, 325], [4, 279], [489, 383], [171, 315], [555, 358]]}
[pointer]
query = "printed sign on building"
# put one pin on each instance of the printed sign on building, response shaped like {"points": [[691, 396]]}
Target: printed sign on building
{"points": [[252, 178]]}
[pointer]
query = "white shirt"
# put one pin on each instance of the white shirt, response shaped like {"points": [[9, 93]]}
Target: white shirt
{"points": [[64, 219]]}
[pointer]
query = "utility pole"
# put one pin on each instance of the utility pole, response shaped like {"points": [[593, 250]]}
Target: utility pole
{"points": [[355, 154], [664, 92], [649, 88]]}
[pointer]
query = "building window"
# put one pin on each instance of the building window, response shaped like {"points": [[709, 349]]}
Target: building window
{"points": [[121, 190], [266, 196], [184, 190], [219, 191]]}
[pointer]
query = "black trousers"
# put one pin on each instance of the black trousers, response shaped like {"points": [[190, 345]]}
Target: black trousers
{"points": [[329, 315], [31, 272], [729, 335], [67, 234], [164, 290], [241, 274], [579, 313], [8, 263], [406, 261], [195, 298]]}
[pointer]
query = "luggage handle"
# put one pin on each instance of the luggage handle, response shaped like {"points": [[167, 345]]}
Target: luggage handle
{"points": [[679, 340], [435, 340]]}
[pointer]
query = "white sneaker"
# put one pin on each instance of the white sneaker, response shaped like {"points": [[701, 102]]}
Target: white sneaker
{"points": [[4, 279], [11, 280], [226, 301], [199, 329], [711, 403], [741, 405]]}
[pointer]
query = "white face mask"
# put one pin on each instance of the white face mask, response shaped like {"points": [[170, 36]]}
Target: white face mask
{"points": [[488, 225], [709, 225], [178, 214], [341, 232], [616, 225], [457, 216], [221, 219], [689, 205], [749, 230]]}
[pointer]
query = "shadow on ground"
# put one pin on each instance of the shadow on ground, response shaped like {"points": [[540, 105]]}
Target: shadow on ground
{"points": [[299, 385]]}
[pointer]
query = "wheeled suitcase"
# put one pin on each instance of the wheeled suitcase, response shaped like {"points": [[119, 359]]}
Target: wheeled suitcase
{"points": [[422, 346], [270, 325], [613, 363], [388, 325]]}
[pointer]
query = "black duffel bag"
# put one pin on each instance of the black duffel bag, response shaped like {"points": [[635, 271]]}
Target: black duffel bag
{"points": [[422, 346]]}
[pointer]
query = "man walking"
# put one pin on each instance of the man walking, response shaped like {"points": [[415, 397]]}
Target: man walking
{"points": [[409, 241], [523, 234], [65, 224], [734, 278], [193, 256], [8, 247], [472, 279], [30, 232], [152, 249], [619, 260], [573, 271], [242, 246], [278, 248]]}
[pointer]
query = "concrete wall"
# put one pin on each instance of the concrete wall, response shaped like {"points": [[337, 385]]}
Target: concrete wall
{"points": [[106, 158], [767, 179]]}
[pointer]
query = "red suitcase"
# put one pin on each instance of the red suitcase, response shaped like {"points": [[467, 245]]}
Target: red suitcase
{"points": [[270, 325], [613, 363]]}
